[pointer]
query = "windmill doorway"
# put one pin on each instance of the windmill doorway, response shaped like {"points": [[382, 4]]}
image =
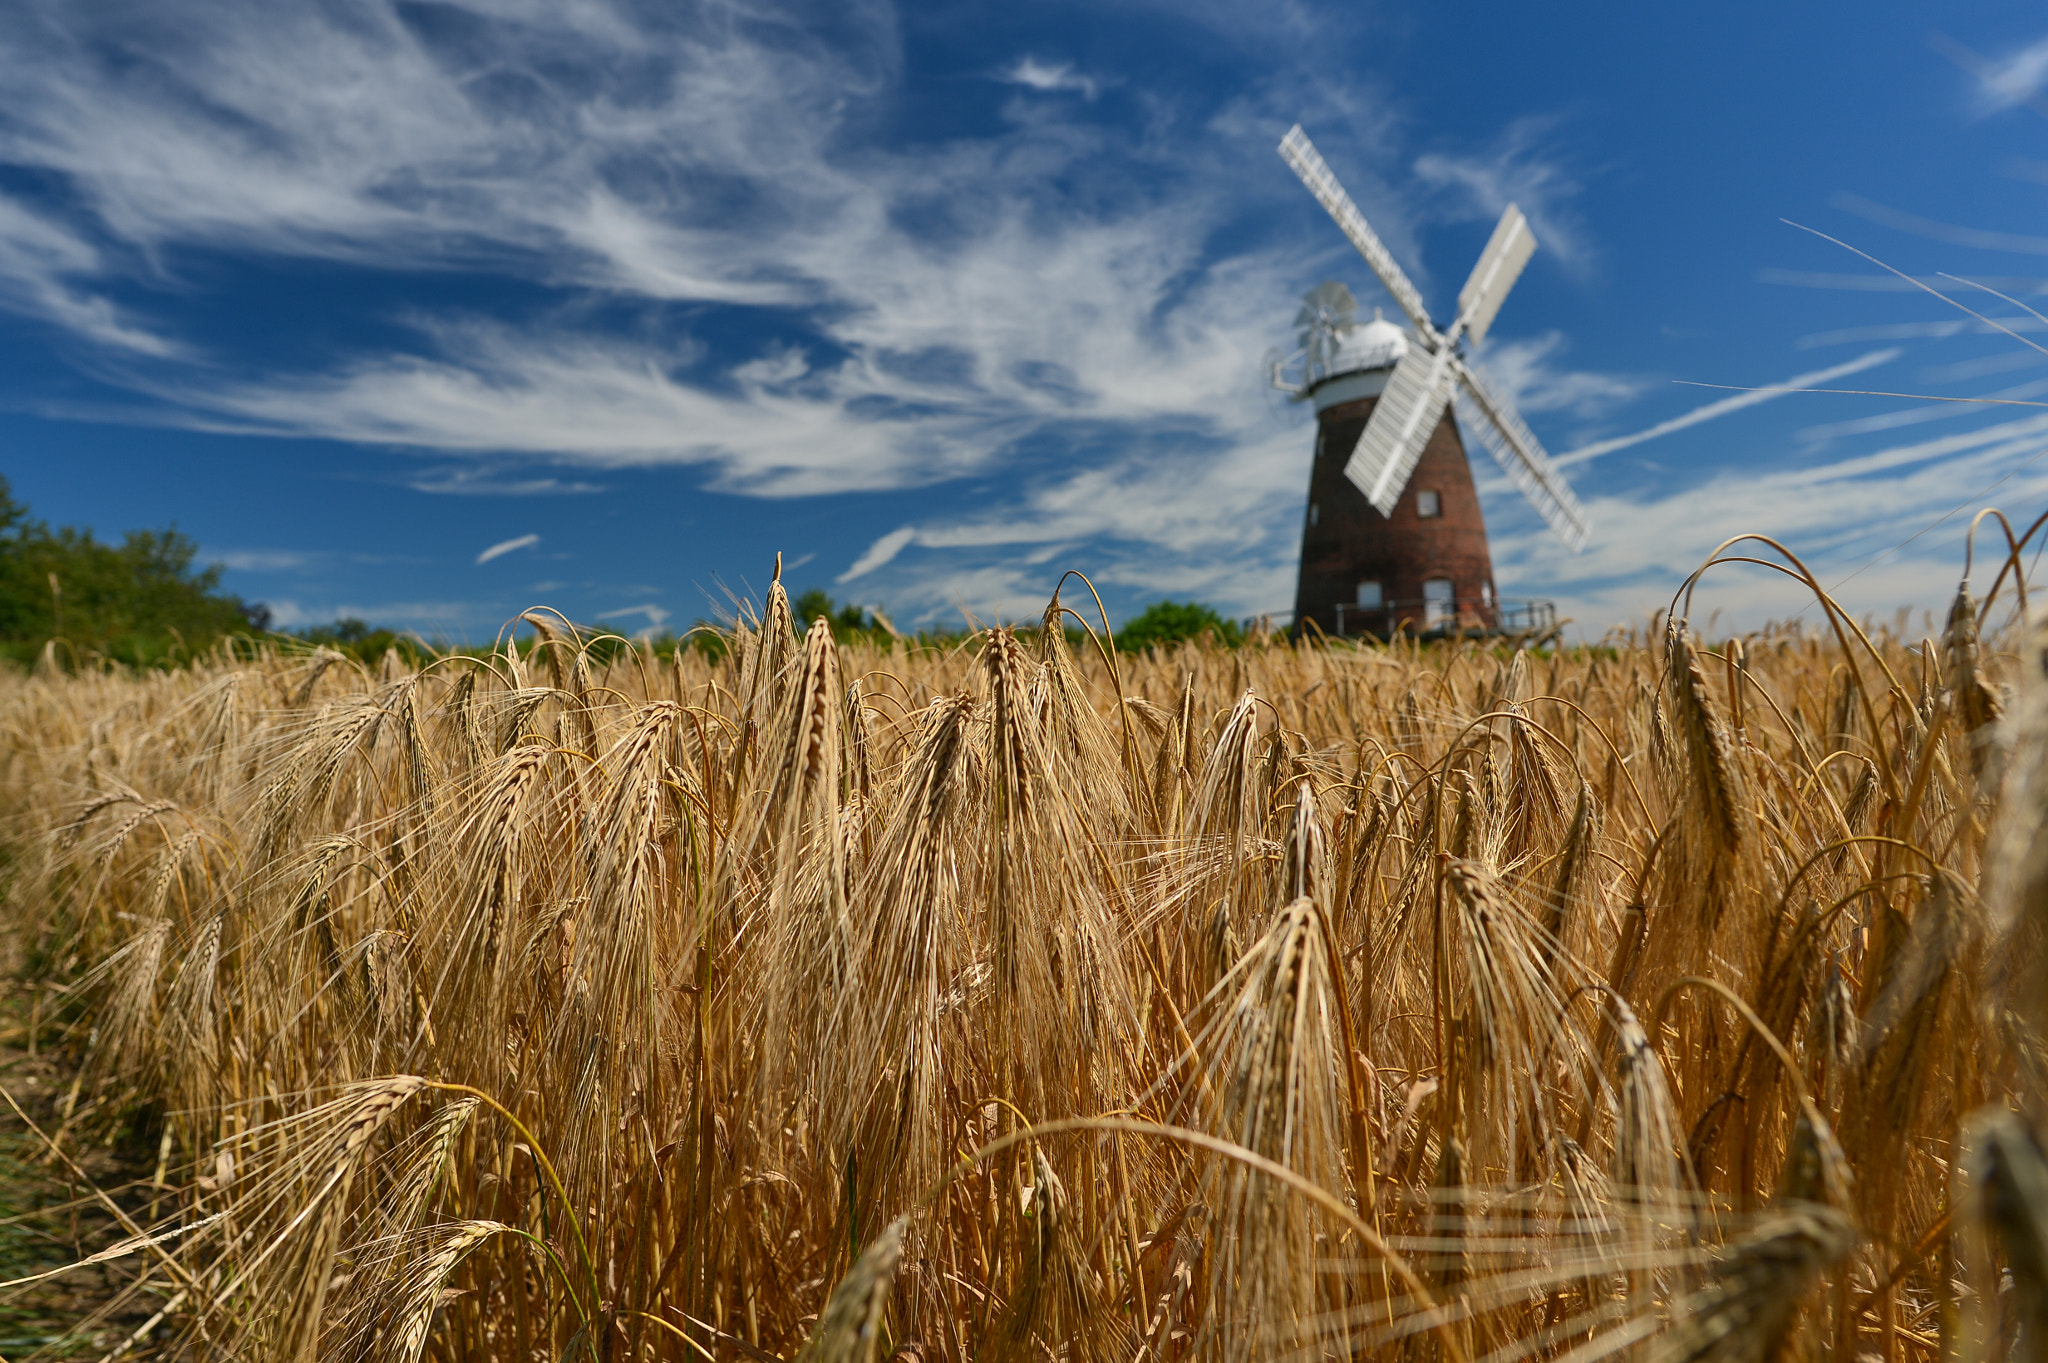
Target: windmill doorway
{"points": [[1439, 603]]}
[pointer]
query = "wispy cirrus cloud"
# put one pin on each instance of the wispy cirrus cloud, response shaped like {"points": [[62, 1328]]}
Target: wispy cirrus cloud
{"points": [[881, 553], [2005, 82], [2019, 78], [1721, 407], [1899, 331], [261, 560], [1916, 416], [501, 480], [656, 616], [41, 264], [2021, 285], [369, 136], [1222, 523], [1527, 373], [1975, 238], [1048, 77], [1522, 168], [444, 619], [504, 547], [894, 314], [893, 276], [1885, 526]]}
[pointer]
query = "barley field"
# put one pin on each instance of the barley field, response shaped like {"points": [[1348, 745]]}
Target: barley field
{"points": [[1668, 999]]}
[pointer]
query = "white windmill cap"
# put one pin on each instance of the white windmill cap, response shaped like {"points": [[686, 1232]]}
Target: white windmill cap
{"points": [[1364, 357], [1378, 344]]}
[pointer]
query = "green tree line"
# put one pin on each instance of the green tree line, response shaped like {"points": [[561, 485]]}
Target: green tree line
{"points": [[143, 601]]}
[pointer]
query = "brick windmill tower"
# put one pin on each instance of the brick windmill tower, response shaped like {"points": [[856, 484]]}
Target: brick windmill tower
{"points": [[1393, 537]]}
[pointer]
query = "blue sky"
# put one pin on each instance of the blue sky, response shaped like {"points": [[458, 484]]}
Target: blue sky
{"points": [[428, 313]]}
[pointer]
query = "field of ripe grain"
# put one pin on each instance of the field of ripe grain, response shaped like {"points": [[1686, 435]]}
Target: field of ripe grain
{"points": [[1665, 1000]]}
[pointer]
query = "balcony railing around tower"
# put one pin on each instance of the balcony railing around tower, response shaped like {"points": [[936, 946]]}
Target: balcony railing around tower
{"points": [[1436, 617]]}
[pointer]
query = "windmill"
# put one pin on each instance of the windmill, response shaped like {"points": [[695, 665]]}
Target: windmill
{"points": [[1394, 536]]}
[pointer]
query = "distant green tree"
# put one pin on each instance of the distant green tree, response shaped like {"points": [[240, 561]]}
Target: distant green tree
{"points": [[360, 640], [140, 601], [1170, 622], [347, 630], [848, 622]]}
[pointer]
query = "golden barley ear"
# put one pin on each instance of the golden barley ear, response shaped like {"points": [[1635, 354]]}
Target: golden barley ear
{"points": [[1716, 777], [1919, 988], [1056, 1302], [895, 1046], [1270, 1053], [773, 647], [850, 1329], [1574, 882], [1978, 704], [1752, 1296], [316, 668], [1749, 1303], [2016, 853], [416, 1294], [791, 839], [2002, 1189], [1223, 832]]}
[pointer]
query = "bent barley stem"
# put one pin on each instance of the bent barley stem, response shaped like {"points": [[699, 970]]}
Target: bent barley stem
{"points": [[539, 1157]]}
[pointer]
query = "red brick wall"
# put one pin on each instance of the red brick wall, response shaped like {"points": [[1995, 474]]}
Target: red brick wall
{"points": [[1346, 541]]}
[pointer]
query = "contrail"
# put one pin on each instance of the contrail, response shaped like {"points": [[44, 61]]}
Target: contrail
{"points": [[1727, 405]]}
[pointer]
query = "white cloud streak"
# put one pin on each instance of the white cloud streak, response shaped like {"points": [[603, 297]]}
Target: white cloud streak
{"points": [[1974, 238], [1221, 523], [656, 616], [1852, 515], [443, 618], [1049, 77], [1913, 331], [39, 261], [1519, 169], [1735, 403], [2016, 80], [261, 560], [881, 553], [1522, 371], [2021, 285], [504, 547]]}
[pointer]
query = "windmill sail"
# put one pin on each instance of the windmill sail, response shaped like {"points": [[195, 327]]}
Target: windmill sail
{"points": [[1400, 425], [1500, 265], [1308, 163], [1515, 448]]}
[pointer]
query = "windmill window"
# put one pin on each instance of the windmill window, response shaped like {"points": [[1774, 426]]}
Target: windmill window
{"points": [[1486, 593], [1369, 597], [1427, 503], [1315, 513]]}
